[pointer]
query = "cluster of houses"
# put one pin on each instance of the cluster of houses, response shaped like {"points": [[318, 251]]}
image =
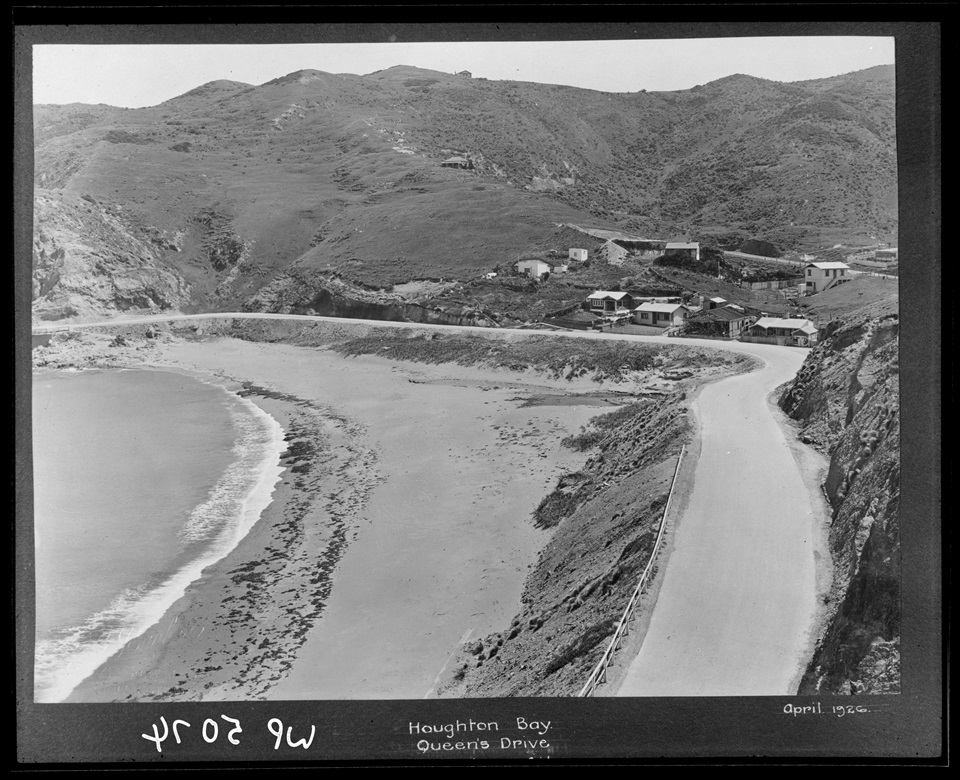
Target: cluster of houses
{"points": [[709, 317], [712, 318], [610, 252], [541, 269]]}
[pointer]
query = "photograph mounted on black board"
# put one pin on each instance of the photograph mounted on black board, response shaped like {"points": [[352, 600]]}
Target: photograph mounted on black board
{"points": [[450, 377]]}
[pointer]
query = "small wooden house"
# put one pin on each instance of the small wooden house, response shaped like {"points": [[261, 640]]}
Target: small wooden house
{"points": [[797, 332], [457, 162], [818, 277], [607, 302], [724, 322], [660, 315]]}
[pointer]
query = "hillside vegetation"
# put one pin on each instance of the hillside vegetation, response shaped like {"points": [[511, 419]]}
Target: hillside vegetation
{"points": [[233, 187]]}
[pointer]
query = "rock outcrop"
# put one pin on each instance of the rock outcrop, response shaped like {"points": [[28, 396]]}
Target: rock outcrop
{"points": [[94, 259], [847, 399], [330, 295]]}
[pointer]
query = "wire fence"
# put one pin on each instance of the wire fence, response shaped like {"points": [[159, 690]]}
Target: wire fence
{"points": [[599, 673]]}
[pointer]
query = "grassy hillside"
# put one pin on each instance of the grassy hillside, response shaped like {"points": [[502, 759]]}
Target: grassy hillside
{"points": [[327, 172]]}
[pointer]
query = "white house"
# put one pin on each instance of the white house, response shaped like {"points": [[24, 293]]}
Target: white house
{"points": [[580, 255], [818, 277], [660, 315], [535, 269]]}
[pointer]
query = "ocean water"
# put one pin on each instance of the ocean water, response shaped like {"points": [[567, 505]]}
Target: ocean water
{"points": [[141, 479]]}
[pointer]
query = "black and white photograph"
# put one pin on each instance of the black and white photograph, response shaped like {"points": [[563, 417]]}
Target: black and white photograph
{"points": [[396, 369]]}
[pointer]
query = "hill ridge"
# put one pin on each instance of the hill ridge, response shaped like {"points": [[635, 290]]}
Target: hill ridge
{"points": [[317, 173]]}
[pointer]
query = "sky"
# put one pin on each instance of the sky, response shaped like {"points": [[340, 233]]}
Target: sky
{"points": [[134, 76]]}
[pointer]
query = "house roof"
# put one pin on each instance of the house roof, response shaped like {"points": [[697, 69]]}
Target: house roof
{"points": [[456, 160], [532, 260], [667, 308], [723, 313], [719, 300], [607, 294], [780, 322], [827, 265], [683, 245]]}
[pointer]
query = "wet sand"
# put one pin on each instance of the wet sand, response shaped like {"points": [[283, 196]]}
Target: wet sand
{"points": [[400, 529]]}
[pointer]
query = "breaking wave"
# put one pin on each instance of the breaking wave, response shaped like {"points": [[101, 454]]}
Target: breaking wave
{"points": [[211, 531]]}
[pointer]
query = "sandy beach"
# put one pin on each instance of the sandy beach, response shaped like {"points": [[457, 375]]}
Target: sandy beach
{"points": [[400, 529]]}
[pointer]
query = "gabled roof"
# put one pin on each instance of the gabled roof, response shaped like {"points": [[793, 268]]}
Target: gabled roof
{"points": [[663, 308], [724, 313], [780, 322], [825, 266], [607, 294], [456, 160], [718, 299]]}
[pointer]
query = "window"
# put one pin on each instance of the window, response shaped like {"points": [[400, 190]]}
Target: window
{"points": [[809, 272]]}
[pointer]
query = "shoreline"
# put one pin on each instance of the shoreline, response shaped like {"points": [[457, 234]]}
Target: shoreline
{"points": [[239, 631], [187, 654]]}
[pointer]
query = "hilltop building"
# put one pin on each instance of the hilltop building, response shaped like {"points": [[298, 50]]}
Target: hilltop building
{"points": [[535, 269], [465, 73], [818, 277], [457, 162], [579, 255]]}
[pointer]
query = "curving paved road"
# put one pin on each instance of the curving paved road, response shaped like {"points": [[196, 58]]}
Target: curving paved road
{"points": [[738, 597]]}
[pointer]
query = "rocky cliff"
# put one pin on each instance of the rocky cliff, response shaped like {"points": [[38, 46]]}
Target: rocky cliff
{"points": [[329, 295], [93, 258], [847, 400]]}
